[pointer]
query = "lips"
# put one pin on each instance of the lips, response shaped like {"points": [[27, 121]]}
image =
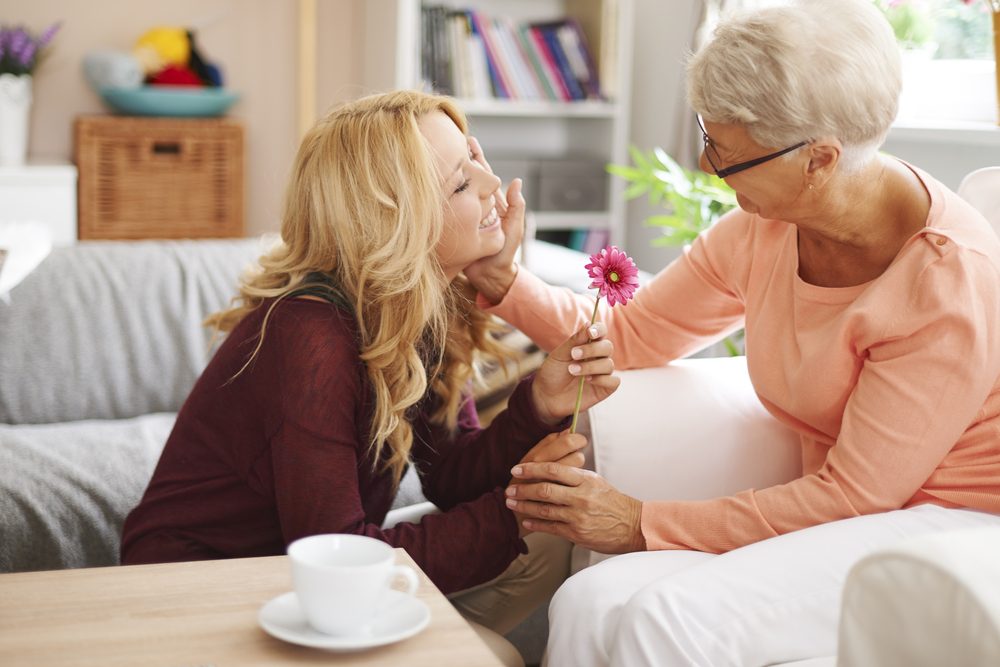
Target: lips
{"points": [[490, 219]]}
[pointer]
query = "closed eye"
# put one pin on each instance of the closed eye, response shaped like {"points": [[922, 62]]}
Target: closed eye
{"points": [[463, 187]]}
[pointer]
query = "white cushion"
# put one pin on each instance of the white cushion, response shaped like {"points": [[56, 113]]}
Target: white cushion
{"points": [[691, 430], [933, 600]]}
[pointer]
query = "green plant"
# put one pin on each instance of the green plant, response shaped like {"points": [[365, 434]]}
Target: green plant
{"points": [[911, 21], [694, 201]]}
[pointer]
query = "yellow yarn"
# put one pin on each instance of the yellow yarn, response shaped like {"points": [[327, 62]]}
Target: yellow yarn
{"points": [[159, 47]]}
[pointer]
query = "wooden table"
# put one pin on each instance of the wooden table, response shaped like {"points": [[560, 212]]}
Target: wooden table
{"points": [[197, 614]]}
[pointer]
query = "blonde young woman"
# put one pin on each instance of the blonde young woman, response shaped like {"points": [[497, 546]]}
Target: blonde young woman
{"points": [[348, 357]]}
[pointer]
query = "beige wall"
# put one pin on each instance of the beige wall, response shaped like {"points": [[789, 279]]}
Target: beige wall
{"points": [[254, 41]]}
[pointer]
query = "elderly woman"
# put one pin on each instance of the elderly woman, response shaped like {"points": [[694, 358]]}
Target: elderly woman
{"points": [[870, 294]]}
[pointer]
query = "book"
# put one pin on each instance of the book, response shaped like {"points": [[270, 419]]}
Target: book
{"points": [[535, 58], [548, 32], [574, 44], [549, 63], [501, 83]]}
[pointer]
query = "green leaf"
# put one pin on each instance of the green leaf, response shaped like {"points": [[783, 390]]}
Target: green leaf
{"points": [[693, 199]]}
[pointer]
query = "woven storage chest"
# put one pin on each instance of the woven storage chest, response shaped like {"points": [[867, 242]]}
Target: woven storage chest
{"points": [[173, 178]]}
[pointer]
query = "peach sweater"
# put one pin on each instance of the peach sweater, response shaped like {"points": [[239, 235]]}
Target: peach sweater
{"points": [[893, 385]]}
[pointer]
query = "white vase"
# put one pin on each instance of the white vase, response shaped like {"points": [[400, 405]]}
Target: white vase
{"points": [[15, 110]]}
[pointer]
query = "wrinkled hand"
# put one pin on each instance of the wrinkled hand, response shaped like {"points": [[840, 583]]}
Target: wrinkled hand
{"points": [[564, 448], [492, 276], [578, 505], [586, 354]]}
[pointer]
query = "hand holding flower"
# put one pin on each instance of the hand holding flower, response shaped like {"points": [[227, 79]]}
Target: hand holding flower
{"points": [[587, 356]]}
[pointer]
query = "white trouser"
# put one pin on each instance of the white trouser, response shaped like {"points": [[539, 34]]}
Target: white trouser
{"points": [[771, 602]]}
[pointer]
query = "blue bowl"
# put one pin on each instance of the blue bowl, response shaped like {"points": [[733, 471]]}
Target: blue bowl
{"points": [[169, 100]]}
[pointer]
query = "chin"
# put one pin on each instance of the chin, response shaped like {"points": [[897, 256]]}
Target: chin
{"points": [[746, 204], [493, 240]]}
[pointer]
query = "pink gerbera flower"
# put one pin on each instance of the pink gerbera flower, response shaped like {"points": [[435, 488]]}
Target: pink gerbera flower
{"points": [[616, 278], [614, 274]]}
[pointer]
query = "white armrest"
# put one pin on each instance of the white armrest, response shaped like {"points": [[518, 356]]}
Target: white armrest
{"points": [[932, 600], [691, 430]]}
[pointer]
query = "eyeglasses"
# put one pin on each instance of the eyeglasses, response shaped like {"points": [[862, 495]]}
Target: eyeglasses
{"points": [[714, 160]]}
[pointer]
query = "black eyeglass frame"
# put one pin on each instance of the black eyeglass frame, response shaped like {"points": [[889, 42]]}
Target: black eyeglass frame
{"points": [[740, 166]]}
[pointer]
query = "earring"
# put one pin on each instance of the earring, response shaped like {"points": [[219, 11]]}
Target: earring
{"points": [[811, 187]]}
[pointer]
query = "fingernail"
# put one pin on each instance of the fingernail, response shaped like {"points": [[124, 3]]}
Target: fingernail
{"points": [[511, 491], [593, 332], [576, 353], [511, 503], [516, 471], [574, 369]]}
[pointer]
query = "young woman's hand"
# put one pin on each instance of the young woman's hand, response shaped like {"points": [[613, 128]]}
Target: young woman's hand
{"points": [[586, 354], [492, 276], [564, 448]]}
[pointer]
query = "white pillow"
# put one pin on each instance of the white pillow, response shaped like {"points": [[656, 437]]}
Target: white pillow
{"points": [[23, 246]]}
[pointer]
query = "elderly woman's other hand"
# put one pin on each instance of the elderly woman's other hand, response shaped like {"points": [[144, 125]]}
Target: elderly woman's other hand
{"points": [[578, 505], [492, 276]]}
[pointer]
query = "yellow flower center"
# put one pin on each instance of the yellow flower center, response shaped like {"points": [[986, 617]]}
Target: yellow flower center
{"points": [[613, 276]]}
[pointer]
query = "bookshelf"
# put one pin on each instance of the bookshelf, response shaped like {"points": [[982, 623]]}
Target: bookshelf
{"points": [[554, 145]]}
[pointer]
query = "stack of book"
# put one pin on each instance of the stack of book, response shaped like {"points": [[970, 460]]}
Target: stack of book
{"points": [[469, 54]]}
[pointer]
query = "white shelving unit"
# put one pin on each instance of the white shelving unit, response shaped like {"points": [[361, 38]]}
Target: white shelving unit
{"points": [[525, 130], [42, 191]]}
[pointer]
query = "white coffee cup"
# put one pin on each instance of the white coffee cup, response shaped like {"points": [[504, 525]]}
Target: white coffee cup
{"points": [[342, 580]]}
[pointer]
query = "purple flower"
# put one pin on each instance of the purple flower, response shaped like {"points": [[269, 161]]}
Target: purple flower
{"points": [[49, 33], [20, 50]]}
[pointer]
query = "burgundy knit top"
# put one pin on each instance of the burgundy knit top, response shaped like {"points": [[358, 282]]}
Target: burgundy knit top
{"points": [[282, 451]]}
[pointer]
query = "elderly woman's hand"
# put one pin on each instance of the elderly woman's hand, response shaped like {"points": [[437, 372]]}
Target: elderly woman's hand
{"points": [[586, 354], [578, 505], [563, 448], [492, 276]]}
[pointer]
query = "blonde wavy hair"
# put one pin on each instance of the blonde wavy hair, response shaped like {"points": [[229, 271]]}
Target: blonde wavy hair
{"points": [[365, 207]]}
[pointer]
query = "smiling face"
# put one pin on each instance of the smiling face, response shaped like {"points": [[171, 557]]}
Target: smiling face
{"points": [[773, 189], [471, 221]]}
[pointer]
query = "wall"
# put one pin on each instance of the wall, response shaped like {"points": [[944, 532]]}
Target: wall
{"points": [[663, 32], [255, 42]]}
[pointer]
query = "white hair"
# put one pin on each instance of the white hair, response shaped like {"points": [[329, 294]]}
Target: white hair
{"points": [[802, 70]]}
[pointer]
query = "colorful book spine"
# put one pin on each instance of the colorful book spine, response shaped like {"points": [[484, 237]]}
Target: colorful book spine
{"points": [[535, 58], [549, 61], [565, 71], [575, 46], [501, 84]]}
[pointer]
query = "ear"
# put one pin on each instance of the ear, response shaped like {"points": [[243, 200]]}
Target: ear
{"points": [[824, 154]]}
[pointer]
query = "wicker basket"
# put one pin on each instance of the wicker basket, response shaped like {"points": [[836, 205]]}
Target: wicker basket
{"points": [[164, 178]]}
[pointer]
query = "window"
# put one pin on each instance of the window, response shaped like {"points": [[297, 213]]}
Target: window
{"points": [[948, 60]]}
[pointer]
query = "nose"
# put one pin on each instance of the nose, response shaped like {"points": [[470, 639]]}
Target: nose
{"points": [[490, 183]]}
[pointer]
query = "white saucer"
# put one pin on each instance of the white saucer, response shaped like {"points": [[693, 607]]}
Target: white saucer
{"points": [[404, 616]]}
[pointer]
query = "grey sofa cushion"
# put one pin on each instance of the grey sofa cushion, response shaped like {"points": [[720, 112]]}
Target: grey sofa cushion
{"points": [[110, 330], [65, 489]]}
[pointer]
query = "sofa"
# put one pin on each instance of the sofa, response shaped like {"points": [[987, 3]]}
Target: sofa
{"points": [[695, 430]]}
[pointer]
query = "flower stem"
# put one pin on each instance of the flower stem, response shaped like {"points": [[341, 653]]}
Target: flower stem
{"points": [[579, 391]]}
